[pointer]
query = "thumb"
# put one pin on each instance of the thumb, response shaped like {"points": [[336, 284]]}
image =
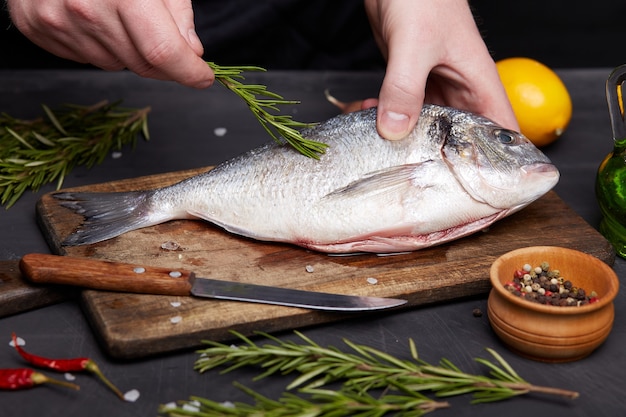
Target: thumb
{"points": [[400, 101], [404, 87], [182, 13]]}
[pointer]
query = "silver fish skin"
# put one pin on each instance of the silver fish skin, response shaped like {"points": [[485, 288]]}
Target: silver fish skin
{"points": [[455, 174]]}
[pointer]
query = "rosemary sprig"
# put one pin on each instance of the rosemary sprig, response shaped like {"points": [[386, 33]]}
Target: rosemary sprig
{"points": [[369, 368], [310, 402], [261, 102], [45, 150]]}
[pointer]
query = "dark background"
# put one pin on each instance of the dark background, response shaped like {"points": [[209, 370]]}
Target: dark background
{"points": [[335, 35]]}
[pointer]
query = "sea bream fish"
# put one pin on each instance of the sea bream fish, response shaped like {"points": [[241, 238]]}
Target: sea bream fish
{"points": [[455, 174]]}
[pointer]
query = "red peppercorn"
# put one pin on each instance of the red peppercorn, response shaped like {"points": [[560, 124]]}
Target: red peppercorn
{"points": [[547, 287], [519, 273], [513, 284]]}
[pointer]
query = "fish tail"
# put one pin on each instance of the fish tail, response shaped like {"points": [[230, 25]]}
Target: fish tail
{"points": [[107, 215]]}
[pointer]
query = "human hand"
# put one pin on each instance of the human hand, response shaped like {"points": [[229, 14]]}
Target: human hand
{"points": [[434, 54], [153, 38]]}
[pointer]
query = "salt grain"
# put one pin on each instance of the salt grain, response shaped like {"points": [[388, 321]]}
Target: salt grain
{"points": [[175, 303], [20, 342], [131, 396], [69, 377], [192, 406], [227, 404], [169, 405], [139, 270], [372, 281], [309, 268], [116, 155], [176, 319], [175, 274], [219, 131]]}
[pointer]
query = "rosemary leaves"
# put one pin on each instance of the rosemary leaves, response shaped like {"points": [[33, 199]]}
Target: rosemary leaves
{"points": [[42, 151], [45, 150], [310, 403], [261, 102], [401, 382]]}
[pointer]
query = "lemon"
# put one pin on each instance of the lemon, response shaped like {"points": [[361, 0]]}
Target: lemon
{"points": [[539, 98]]}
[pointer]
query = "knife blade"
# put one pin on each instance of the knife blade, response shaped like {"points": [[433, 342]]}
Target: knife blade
{"points": [[117, 276]]}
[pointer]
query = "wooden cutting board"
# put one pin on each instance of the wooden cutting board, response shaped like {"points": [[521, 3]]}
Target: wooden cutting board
{"points": [[18, 295], [132, 325]]}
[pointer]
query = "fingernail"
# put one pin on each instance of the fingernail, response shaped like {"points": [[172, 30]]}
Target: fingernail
{"points": [[394, 125], [194, 41]]}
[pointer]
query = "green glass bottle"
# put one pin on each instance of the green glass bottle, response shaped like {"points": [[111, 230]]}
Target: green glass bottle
{"points": [[611, 177]]}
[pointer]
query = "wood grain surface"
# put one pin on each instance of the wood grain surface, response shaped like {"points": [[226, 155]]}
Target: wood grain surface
{"points": [[131, 325], [18, 295]]}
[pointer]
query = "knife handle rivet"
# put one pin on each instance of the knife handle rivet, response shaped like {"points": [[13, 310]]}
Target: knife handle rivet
{"points": [[139, 270], [175, 274]]}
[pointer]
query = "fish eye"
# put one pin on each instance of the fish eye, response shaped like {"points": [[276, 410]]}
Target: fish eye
{"points": [[505, 137]]}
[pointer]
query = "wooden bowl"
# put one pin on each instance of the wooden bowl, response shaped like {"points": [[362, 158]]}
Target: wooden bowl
{"points": [[551, 333]]}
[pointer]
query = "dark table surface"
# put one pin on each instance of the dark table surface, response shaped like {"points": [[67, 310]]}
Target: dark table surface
{"points": [[182, 123]]}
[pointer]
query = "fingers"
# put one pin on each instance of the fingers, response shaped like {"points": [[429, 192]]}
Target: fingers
{"points": [[471, 83], [182, 13], [495, 104], [369, 102], [154, 38], [166, 53], [434, 54]]}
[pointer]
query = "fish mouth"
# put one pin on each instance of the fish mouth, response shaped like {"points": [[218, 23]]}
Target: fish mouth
{"points": [[540, 168]]}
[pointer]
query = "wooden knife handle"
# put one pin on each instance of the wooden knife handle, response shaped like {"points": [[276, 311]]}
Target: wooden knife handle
{"points": [[105, 275]]}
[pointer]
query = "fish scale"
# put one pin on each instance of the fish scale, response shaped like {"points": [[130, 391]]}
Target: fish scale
{"points": [[456, 173]]}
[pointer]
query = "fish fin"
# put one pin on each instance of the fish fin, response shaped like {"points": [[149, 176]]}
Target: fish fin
{"points": [[387, 180], [107, 215], [226, 226]]}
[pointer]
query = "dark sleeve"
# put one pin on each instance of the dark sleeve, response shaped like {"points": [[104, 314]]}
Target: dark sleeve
{"points": [[287, 34]]}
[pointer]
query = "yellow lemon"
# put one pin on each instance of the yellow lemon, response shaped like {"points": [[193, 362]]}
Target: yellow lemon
{"points": [[539, 98]]}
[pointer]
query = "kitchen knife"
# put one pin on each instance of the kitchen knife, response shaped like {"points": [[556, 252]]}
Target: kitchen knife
{"points": [[116, 276]]}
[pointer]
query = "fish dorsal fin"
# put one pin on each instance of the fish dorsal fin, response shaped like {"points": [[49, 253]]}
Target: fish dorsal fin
{"points": [[388, 180]]}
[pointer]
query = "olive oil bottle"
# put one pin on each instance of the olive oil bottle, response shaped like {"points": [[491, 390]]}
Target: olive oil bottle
{"points": [[611, 176]]}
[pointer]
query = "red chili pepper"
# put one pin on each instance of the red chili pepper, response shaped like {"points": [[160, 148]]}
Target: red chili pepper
{"points": [[66, 365], [22, 378]]}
